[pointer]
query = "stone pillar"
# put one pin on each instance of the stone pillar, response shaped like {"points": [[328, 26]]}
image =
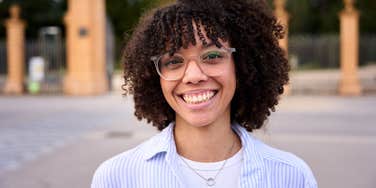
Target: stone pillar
{"points": [[283, 18], [15, 30], [349, 37], [86, 54]]}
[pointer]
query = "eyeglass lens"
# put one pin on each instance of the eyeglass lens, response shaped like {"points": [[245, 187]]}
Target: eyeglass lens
{"points": [[211, 62]]}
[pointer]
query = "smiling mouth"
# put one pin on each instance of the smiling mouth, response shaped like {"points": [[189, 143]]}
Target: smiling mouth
{"points": [[198, 98]]}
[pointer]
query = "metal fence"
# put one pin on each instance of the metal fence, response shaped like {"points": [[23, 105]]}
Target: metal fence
{"points": [[305, 52], [3, 57], [367, 49], [53, 54], [322, 51]]}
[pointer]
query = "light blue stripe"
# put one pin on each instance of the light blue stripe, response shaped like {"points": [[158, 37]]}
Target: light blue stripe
{"points": [[153, 164]]}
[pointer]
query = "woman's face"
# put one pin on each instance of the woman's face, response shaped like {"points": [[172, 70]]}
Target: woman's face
{"points": [[197, 98]]}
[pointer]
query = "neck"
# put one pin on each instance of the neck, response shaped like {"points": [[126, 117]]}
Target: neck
{"points": [[209, 143]]}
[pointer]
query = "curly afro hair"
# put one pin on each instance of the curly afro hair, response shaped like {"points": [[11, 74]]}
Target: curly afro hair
{"points": [[250, 27]]}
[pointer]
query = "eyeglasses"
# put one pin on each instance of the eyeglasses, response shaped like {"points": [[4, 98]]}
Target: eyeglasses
{"points": [[212, 62]]}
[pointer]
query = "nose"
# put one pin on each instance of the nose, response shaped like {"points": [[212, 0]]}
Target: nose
{"points": [[193, 73]]}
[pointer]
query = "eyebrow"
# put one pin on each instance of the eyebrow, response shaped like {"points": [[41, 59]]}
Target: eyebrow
{"points": [[203, 47], [208, 45]]}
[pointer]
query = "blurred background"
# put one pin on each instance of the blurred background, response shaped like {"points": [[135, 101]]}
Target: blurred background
{"points": [[313, 43], [62, 112]]}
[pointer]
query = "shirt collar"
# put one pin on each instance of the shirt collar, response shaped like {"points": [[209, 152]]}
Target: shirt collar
{"points": [[161, 143], [253, 164], [164, 142]]}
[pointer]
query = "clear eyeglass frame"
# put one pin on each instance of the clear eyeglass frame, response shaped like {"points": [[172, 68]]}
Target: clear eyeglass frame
{"points": [[157, 60]]}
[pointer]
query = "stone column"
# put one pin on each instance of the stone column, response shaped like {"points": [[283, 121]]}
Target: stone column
{"points": [[283, 18], [15, 30], [86, 58], [349, 37]]}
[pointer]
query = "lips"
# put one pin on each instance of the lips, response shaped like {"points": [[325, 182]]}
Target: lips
{"points": [[198, 97]]}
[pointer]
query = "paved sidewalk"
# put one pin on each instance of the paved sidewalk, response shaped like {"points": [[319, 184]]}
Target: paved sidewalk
{"points": [[335, 135], [327, 81]]}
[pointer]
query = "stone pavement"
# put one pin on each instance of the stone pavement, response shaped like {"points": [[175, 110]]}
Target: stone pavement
{"points": [[45, 140], [326, 81], [56, 141]]}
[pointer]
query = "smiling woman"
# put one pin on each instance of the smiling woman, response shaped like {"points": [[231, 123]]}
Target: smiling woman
{"points": [[205, 73]]}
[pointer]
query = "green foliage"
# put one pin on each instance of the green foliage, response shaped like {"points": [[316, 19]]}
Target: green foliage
{"points": [[125, 14], [314, 16], [367, 15], [306, 16], [321, 16], [36, 13]]}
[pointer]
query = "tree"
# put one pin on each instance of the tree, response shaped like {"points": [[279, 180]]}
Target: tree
{"points": [[36, 13], [321, 16]]}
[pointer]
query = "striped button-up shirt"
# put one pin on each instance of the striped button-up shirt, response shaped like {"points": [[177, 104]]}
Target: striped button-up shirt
{"points": [[155, 164]]}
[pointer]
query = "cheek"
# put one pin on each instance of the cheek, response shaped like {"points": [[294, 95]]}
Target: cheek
{"points": [[228, 81], [167, 90], [231, 76], [232, 85], [164, 88]]}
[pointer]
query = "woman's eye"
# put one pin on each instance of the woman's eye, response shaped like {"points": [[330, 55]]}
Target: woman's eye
{"points": [[212, 55], [173, 63], [212, 58]]}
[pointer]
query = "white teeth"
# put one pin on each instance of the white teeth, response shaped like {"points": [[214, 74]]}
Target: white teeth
{"points": [[195, 98], [198, 98]]}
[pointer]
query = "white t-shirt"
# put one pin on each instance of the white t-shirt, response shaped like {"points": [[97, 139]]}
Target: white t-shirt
{"points": [[229, 176]]}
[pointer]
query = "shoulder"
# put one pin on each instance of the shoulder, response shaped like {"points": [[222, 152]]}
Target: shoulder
{"points": [[285, 166], [111, 172]]}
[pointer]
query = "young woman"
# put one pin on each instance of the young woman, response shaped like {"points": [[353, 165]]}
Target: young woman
{"points": [[205, 73]]}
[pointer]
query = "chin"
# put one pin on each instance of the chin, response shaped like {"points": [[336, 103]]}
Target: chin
{"points": [[199, 121]]}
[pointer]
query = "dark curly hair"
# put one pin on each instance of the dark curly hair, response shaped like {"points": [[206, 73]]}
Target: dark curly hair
{"points": [[249, 26]]}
